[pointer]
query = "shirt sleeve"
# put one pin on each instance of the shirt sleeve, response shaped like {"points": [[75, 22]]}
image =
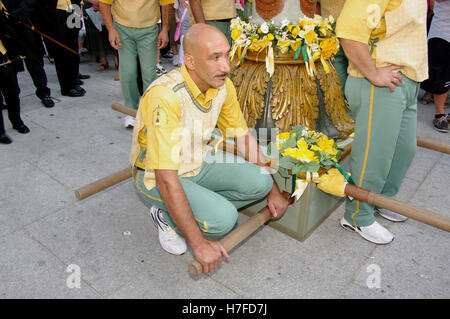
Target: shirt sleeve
{"points": [[231, 121], [160, 110], [359, 18]]}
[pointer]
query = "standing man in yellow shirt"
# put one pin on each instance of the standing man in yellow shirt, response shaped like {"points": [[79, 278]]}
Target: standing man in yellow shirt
{"points": [[194, 195], [133, 31], [215, 13], [386, 44]]}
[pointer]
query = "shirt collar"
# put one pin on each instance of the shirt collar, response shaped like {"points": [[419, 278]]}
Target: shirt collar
{"points": [[196, 93]]}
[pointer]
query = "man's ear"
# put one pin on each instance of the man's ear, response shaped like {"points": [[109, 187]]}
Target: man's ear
{"points": [[189, 61]]}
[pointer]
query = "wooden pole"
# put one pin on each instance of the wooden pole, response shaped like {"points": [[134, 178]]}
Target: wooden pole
{"points": [[240, 233], [433, 145], [124, 109], [422, 142], [103, 183], [420, 214], [236, 236]]}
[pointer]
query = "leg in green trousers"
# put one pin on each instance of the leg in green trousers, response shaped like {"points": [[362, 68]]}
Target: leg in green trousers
{"points": [[385, 140], [340, 64], [222, 26], [215, 194]]}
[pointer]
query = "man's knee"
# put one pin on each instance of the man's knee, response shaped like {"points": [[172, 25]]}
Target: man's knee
{"points": [[225, 217], [262, 185]]}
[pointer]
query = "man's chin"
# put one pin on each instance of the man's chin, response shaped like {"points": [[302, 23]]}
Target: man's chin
{"points": [[219, 82]]}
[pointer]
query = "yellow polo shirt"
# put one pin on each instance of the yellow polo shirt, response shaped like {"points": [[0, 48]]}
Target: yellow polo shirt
{"points": [[331, 7], [218, 10], [395, 31], [162, 140], [136, 13]]}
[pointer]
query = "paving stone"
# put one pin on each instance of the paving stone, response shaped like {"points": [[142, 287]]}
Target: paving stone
{"points": [[28, 270]]}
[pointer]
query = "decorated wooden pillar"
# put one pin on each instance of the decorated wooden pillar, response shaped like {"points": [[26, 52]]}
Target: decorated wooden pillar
{"points": [[281, 58]]}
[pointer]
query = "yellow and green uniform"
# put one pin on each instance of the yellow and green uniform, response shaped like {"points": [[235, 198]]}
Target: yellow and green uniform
{"points": [[136, 22], [385, 127], [174, 122]]}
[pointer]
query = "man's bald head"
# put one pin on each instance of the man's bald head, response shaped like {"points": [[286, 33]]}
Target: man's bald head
{"points": [[206, 58], [197, 35]]}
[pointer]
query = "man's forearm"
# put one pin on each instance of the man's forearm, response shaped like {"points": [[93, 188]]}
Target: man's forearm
{"points": [[358, 54], [105, 10], [248, 147], [197, 11]]}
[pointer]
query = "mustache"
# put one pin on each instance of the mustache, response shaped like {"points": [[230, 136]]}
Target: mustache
{"points": [[221, 75]]}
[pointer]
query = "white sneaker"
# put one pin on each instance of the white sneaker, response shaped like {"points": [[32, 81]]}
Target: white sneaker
{"points": [[129, 121], [175, 60], [389, 215], [161, 69], [374, 233], [168, 238]]}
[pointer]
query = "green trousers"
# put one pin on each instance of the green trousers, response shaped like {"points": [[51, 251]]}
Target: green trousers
{"points": [[385, 140], [222, 26], [136, 42], [340, 64], [216, 193]]}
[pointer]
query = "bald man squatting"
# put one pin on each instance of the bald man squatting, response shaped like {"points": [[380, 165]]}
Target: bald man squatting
{"points": [[193, 198]]}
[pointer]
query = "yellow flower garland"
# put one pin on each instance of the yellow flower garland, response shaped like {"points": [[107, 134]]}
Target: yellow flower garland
{"points": [[310, 40]]}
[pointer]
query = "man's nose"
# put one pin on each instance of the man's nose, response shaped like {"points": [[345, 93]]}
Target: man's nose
{"points": [[225, 65]]}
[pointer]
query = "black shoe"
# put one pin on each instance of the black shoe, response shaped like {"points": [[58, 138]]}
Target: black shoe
{"points": [[22, 128], [83, 76], [79, 82], [80, 89], [73, 93], [5, 139], [47, 101], [440, 124]]}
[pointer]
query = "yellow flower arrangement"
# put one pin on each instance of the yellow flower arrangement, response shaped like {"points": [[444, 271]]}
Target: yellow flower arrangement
{"points": [[311, 39], [302, 150]]}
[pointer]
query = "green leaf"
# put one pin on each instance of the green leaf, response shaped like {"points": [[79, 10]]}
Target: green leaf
{"points": [[284, 172], [296, 169], [286, 162], [290, 142], [310, 167]]}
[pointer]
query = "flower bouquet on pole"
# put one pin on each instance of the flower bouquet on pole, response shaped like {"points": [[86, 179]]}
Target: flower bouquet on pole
{"points": [[302, 154]]}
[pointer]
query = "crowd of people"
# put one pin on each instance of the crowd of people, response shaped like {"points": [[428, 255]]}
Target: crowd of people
{"points": [[381, 86]]}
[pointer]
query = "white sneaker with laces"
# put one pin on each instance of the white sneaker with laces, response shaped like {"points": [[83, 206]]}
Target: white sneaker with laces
{"points": [[389, 215], [129, 121], [374, 233], [168, 238]]}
